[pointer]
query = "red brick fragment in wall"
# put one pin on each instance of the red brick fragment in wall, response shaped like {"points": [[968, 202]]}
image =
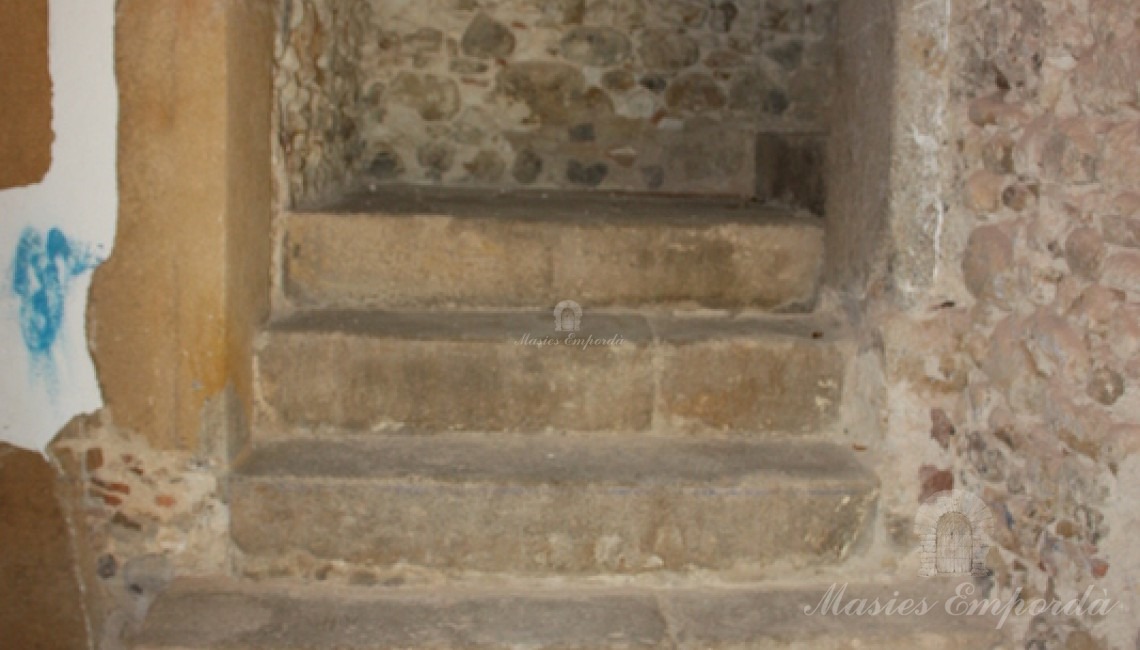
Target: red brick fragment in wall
{"points": [[934, 480], [94, 459]]}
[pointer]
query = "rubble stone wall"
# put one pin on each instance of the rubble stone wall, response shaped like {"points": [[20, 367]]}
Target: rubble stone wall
{"points": [[641, 95], [1006, 327]]}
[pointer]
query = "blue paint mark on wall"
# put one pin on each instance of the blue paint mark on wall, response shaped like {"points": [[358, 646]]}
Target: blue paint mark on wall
{"points": [[42, 270]]}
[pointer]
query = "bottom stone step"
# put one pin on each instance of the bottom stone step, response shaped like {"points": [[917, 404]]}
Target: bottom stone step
{"points": [[219, 615], [544, 504]]}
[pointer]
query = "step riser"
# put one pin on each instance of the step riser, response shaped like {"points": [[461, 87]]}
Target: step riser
{"points": [[440, 262], [359, 383], [547, 529]]}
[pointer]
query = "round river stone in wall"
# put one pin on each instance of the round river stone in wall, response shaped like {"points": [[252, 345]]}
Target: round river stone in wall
{"points": [[435, 98], [695, 92], [549, 89], [486, 167], [722, 17], [527, 167], [487, 38], [596, 46], [668, 50], [654, 82], [619, 80], [589, 175], [754, 89], [788, 54], [386, 164], [436, 158]]}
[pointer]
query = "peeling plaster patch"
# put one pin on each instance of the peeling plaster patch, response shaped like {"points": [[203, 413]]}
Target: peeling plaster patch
{"points": [[42, 270]]}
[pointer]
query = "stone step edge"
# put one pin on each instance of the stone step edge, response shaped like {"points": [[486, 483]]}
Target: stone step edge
{"points": [[794, 461], [773, 217], [554, 206], [634, 325]]}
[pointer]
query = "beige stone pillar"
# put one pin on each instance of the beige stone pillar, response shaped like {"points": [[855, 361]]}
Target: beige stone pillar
{"points": [[174, 309]]}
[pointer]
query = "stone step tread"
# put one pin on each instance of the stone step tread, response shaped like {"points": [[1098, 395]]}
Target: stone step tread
{"points": [[633, 326], [454, 250], [540, 459], [547, 504], [219, 614], [566, 206]]}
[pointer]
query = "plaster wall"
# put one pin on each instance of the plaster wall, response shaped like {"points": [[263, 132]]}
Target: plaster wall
{"points": [[44, 277]]}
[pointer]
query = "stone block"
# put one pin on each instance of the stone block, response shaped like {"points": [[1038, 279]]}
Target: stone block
{"points": [[550, 504], [478, 250], [512, 371]]}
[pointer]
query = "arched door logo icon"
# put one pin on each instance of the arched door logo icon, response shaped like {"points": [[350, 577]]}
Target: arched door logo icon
{"points": [[567, 316], [954, 530]]}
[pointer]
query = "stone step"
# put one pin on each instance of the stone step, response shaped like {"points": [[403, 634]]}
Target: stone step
{"points": [[220, 615], [456, 249], [550, 504], [483, 371]]}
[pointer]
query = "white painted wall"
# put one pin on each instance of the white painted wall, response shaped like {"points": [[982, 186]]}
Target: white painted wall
{"points": [[39, 393]]}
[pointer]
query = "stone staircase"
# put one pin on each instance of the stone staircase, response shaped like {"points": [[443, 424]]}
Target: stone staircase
{"points": [[434, 466]]}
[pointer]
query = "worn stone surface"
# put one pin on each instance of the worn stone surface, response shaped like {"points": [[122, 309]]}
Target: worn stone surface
{"points": [[575, 505], [388, 375], [723, 619], [493, 371], [742, 385], [40, 605], [407, 620], [25, 114], [483, 252]]}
